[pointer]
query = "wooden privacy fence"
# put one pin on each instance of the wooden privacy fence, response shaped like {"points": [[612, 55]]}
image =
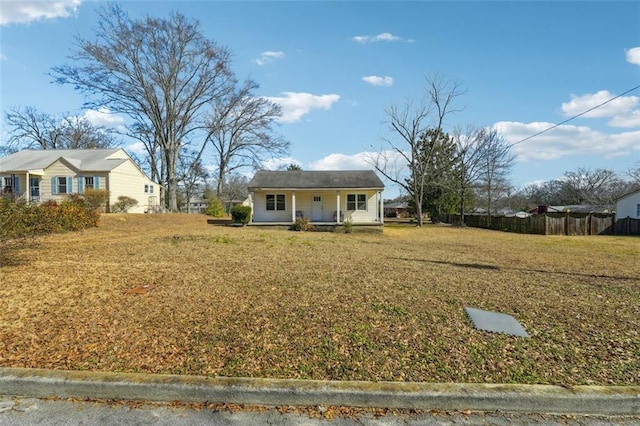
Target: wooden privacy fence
{"points": [[554, 224]]}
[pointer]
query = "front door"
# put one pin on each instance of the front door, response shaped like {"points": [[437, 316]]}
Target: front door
{"points": [[316, 208]]}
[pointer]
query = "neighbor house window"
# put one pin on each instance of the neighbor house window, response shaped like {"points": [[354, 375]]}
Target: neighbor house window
{"points": [[88, 182], [148, 189], [7, 184], [638, 210], [275, 202], [61, 185], [356, 202]]}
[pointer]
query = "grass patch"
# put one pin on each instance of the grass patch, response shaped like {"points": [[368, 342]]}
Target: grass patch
{"points": [[263, 302]]}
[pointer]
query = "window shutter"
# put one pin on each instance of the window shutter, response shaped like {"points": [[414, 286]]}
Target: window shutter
{"points": [[54, 185], [15, 183], [96, 182], [69, 184], [80, 184]]}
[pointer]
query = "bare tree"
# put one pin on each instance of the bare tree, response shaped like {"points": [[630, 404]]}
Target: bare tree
{"points": [[497, 161], [32, 129], [634, 173], [408, 124], [470, 151], [193, 176], [240, 130], [160, 72]]}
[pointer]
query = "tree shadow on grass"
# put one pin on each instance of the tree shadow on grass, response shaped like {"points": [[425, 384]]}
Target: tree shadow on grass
{"points": [[497, 268], [10, 253]]}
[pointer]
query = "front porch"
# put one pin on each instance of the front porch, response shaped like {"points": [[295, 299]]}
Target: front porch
{"points": [[317, 207]]}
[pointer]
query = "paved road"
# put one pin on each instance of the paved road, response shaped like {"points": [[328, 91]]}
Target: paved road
{"points": [[31, 411]]}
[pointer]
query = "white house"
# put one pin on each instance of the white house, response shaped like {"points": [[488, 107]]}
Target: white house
{"points": [[628, 205], [323, 197], [40, 175]]}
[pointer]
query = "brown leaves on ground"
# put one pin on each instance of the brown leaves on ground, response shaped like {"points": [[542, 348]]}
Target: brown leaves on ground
{"points": [[266, 302]]}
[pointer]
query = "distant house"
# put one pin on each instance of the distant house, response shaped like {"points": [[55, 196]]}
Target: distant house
{"points": [[628, 205], [323, 197], [40, 175], [396, 209]]}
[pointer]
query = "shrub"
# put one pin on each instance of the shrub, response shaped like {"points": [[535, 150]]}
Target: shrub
{"points": [[123, 204], [19, 219], [347, 226], [241, 214], [214, 207], [302, 224], [96, 199]]}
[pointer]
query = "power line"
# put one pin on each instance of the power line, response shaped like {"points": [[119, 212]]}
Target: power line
{"points": [[574, 117]]}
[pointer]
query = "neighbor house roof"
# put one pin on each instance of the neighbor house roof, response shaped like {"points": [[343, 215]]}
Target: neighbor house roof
{"points": [[302, 179], [628, 194], [96, 160]]}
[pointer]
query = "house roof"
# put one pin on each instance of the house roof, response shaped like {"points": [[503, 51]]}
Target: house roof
{"points": [[302, 179], [628, 194], [96, 160]]}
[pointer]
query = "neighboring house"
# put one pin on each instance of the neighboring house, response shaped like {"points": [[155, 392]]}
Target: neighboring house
{"points": [[40, 175], [628, 205], [397, 209], [323, 197]]}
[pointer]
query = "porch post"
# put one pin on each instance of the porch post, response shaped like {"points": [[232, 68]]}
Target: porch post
{"points": [[338, 207], [252, 204], [28, 187], [381, 208], [293, 206]]}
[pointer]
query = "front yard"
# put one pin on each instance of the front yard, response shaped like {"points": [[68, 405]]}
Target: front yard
{"points": [[173, 294]]}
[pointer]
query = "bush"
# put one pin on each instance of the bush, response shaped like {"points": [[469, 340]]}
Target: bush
{"points": [[214, 207], [19, 219], [302, 224], [241, 214], [347, 226], [123, 204], [96, 199]]}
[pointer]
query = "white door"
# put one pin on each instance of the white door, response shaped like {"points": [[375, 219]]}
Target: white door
{"points": [[316, 208]]}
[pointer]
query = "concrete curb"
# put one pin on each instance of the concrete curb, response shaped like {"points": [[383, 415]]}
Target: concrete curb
{"points": [[593, 400]]}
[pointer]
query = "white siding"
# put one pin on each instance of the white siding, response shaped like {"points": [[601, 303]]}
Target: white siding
{"points": [[304, 202], [628, 206], [128, 180]]}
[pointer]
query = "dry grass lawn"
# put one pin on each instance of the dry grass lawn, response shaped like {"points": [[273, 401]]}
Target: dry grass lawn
{"points": [[173, 294]]}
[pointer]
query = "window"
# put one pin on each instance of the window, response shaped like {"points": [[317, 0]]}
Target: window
{"points": [[356, 202], [275, 202], [7, 184], [88, 182], [638, 210], [61, 185], [148, 189]]}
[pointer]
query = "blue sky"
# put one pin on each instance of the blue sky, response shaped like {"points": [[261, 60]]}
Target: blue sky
{"points": [[337, 66]]}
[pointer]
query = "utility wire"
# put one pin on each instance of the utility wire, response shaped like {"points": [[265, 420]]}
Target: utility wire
{"points": [[574, 117]]}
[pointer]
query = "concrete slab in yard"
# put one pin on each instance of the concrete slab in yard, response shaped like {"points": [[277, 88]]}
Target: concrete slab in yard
{"points": [[495, 322]]}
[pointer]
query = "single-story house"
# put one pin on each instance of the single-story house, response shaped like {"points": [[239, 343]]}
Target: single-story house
{"points": [[396, 209], [40, 175], [628, 205], [323, 197]]}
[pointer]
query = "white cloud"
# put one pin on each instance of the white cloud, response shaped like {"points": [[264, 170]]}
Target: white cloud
{"points": [[633, 55], [622, 111], [565, 141], [362, 39], [297, 104], [378, 81], [33, 10], [104, 118], [268, 57], [136, 148]]}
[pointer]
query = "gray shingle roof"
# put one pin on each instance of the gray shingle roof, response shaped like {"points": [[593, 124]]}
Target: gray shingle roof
{"points": [[302, 179], [95, 160]]}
